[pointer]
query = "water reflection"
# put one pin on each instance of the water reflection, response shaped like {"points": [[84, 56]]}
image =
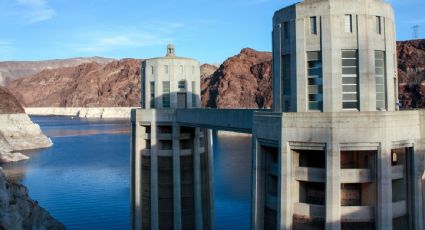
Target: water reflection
{"points": [[232, 180]]}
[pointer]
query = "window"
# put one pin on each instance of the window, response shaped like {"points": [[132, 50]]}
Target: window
{"points": [[152, 90], [315, 88], [193, 69], [313, 25], [166, 69], [182, 84], [286, 30], [166, 94], [349, 79], [380, 80], [143, 90], [286, 81], [348, 23], [378, 24], [152, 69], [194, 104]]}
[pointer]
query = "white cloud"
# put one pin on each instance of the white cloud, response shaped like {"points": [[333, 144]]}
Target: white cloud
{"points": [[153, 33], [35, 10]]}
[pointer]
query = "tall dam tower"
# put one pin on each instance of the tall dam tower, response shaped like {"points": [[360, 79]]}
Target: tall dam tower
{"points": [[170, 165], [335, 153]]}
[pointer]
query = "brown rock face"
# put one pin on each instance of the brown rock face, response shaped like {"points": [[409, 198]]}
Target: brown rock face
{"points": [[8, 103], [242, 81], [207, 70], [411, 73], [116, 84]]}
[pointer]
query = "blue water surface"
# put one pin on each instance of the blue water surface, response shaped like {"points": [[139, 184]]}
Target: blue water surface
{"points": [[83, 180]]}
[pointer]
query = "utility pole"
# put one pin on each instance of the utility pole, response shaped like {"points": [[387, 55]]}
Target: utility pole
{"points": [[415, 30]]}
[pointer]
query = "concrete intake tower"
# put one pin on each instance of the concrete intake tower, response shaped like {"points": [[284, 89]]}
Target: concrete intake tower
{"points": [[333, 153]]}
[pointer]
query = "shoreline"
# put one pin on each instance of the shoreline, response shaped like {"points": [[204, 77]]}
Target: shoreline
{"points": [[82, 112]]}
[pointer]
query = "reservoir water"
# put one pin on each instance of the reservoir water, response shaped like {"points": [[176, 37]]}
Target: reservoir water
{"points": [[83, 180]]}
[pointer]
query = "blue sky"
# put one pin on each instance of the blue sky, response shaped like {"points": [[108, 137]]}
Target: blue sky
{"points": [[208, 30]]}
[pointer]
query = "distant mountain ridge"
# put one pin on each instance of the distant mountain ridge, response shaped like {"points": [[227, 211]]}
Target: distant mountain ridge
{"points": [[242, 81], [12, 70]]}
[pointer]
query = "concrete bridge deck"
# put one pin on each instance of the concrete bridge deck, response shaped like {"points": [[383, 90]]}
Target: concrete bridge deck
{"points": [[237, 120]]}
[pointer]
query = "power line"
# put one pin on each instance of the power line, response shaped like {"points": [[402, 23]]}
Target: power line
{"points": [[415, 30]]}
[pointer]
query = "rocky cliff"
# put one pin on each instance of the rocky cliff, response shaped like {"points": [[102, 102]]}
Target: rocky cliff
{"points": [[12, 70], [411, 73], [116, 84], [17, 131], [242, 81], [18, 211]]}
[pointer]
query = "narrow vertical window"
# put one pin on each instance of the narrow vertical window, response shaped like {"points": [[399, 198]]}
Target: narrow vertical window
{"points": [[348, 23], [313, 25], [152, 69], [193, 70], [286, 81], [315, 88], [380, 80], [350, 79], [166, 69], [194, 97], [378, 25], [152, 90], [166, 94], [143, 88], [286, 30]]}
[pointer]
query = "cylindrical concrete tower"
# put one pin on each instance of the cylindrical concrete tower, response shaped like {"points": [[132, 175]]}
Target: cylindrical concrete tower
{"points": [[334, 153], [171, 165], [334, 55], [170, 82]]}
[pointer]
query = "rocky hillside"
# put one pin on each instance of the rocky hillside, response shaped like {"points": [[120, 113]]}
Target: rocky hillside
{"points": [[87, 85], [18, 211], [8, 103], [11, 70], [411, 73], [242, 81]]}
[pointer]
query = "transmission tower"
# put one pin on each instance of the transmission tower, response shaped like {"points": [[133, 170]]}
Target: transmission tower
{"points": [[415, 30]]}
